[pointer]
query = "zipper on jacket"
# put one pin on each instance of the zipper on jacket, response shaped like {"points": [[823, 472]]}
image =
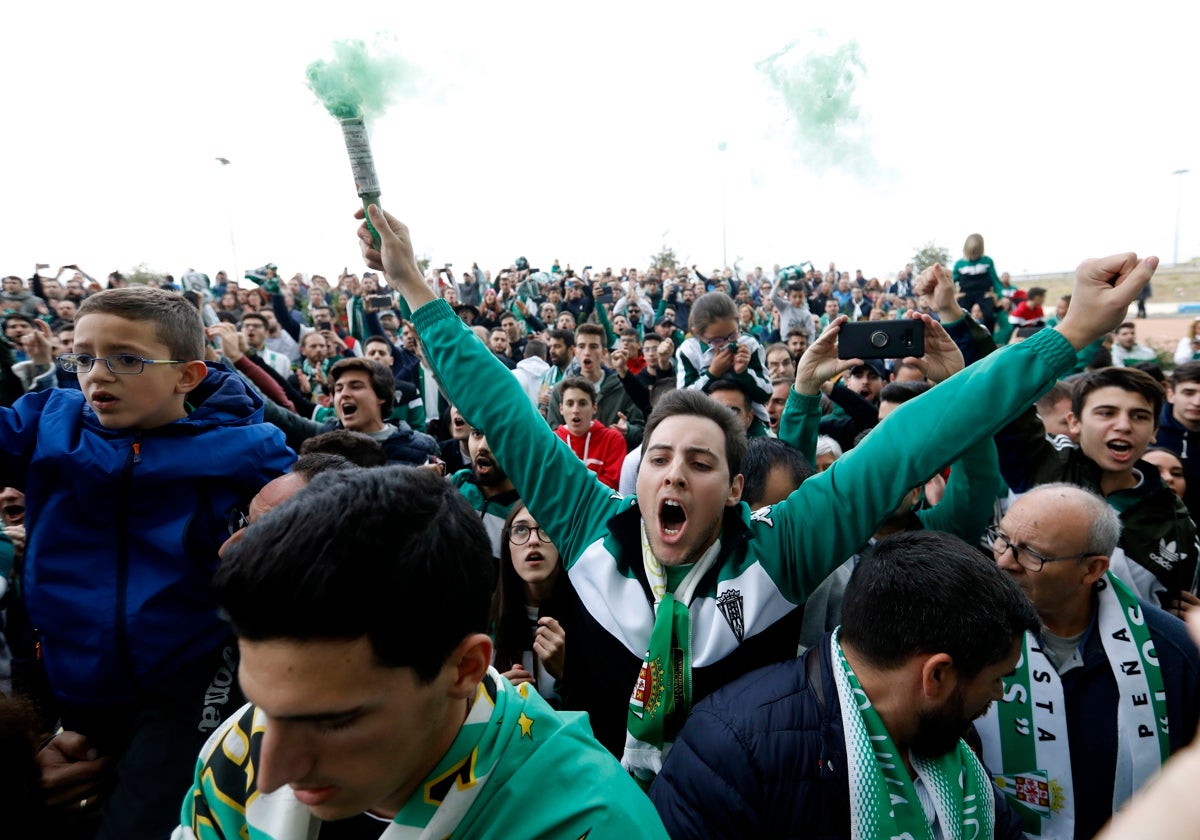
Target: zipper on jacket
{"points": [[124, 494]]}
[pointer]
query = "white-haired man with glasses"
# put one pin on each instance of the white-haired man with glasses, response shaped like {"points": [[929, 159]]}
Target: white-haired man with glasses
{"points": [[1105, 692]]}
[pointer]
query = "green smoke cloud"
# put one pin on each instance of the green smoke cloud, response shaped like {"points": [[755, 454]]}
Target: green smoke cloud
{"points": [[818, 92], [356, 83]]}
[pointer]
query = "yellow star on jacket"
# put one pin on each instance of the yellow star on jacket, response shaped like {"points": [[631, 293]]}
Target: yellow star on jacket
{"points": [[526, 724]]}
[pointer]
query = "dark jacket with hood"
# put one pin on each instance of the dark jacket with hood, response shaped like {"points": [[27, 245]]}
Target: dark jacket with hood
{"points": [[123, 530], [1186, 444]]}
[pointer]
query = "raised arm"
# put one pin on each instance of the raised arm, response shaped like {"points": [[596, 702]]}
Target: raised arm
{"points": [[561, 492], [962, 411]]}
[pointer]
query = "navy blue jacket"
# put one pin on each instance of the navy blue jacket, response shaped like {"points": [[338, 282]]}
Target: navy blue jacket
{"points": [[1090, 693], [764, 757], [123, 530], [1172, 435]]}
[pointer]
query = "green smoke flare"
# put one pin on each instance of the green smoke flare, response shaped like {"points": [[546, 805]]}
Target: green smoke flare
{"points": [[355, 83], [819, 95]]}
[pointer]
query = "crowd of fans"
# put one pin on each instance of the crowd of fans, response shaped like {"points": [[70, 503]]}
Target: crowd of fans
{"points": [[742, 536]]}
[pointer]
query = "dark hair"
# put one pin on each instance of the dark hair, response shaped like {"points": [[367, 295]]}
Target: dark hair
{"points": [[16, 316], [1186, 372], [360, 449], [1126, 325], [902, 392], [311, 464], [1152, 368], [1036, 291], [594, 330], [382, 381], [689, 401], [579, 383], [331, 563], [723, 384], [926, 592], [630, 331], [509, 620], [255, 316], [567, 337], [710, 308], [1170, 452], [1125, 378], [176, 322], [764, 454], [535, 347], [380, 339]]}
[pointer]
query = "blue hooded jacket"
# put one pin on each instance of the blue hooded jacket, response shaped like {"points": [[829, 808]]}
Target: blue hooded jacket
{"points": [[123, 530]]}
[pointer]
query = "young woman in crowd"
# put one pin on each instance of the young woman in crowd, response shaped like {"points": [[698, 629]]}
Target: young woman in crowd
{"points": [[531, 607], [1170, 467]]}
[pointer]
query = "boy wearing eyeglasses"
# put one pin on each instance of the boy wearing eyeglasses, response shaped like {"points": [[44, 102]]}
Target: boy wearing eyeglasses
{"points": [[128, 483]]}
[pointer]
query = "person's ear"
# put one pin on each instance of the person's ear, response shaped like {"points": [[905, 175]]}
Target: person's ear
{"points": [[1073, 425], [938, 676], [735, 490], [1095, 566], [470, 661], [190, 375]]}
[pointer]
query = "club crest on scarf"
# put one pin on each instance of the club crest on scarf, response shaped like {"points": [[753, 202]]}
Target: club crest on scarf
{"points": [[648, 690]]}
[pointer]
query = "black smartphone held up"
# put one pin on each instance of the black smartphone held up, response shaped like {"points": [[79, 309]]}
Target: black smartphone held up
{"points": [[881, 339], [379, 301]]}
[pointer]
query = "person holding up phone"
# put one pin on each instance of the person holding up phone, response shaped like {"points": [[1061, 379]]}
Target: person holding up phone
{"points": [[718, 349]]}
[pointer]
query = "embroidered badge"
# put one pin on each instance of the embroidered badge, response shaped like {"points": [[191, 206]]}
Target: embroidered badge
{"points": [[730, 604]]}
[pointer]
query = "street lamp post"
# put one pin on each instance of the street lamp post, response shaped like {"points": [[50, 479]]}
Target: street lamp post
{"points": [[721, 148], [237, 278], [1178, 173]]}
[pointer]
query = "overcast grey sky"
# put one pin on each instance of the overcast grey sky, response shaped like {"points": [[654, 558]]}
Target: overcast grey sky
{"points": [[590, 133]]}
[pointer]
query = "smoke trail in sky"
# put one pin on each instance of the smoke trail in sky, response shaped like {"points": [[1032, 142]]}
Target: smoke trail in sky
{"points": [[356, 83], [819, 94]]}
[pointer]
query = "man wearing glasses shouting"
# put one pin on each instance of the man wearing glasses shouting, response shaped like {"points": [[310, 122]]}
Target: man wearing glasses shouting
{"points": [[128, 484], [1108, 689]]}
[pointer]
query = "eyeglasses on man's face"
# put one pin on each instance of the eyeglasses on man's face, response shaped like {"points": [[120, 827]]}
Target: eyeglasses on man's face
{"points": [[1029, 559]]}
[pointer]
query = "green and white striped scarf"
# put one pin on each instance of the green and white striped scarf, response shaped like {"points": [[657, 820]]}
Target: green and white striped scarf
{"points": [[662, 695], [1025, 734], [883, 799], [451, 789]]}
